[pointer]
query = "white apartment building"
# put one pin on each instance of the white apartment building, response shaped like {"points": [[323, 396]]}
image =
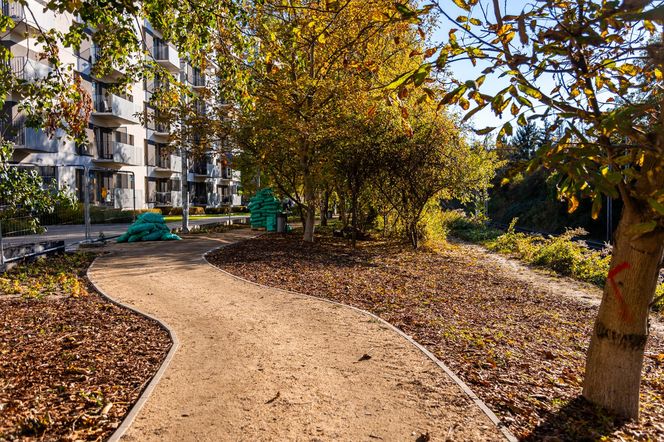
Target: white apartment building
{"points": [[128, 163]]}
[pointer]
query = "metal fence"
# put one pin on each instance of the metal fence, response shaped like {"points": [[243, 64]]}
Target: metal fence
{"points": [[106, 203]]}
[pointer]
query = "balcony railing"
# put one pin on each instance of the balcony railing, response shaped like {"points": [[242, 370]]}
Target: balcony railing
{"points": [[14, 10], [163, 161], [200, 169], [160, 53], [123, 198], [27, 69], [89, 57], [172, 198], [28, 138], [163, 199], [198, 80], [167, 55], [213, 199], [199, 200], [115, 106], [117, 152], [213, 171]]}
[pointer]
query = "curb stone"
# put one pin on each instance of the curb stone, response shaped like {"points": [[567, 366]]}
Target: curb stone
{"points": [[464, 387], [147, 391]]}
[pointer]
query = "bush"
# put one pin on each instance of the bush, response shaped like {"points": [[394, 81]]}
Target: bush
{"points": [[218, 210], [19, 226], [98, 215], [455, 223], [561, 253], [193, 210], [658, 302]]}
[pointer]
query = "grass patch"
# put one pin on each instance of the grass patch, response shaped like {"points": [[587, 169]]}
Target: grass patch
{"points": [[174, 218]]}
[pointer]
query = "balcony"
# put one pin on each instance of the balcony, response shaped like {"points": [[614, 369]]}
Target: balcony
{"points": [[213, 199], [200, 169], [167, 57], [113, 110], [123, 198], [87, 59], [28, 70], [193, 77], [198, 200], [25, 23], [172, 198], [155, 124], [117, 152], [198, 80], [163, 162], [231, 200], [213, 171], [168, 163], [28, 139]]}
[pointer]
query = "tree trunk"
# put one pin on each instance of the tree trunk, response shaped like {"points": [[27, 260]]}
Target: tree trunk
{"points": [[615, 355], [342, 208], [414, 239], [325, 206], [310, 209], [353, 208]]}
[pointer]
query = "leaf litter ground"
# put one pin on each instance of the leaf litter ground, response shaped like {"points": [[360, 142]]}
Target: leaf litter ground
{"points": [[520, 348], [71, 363]]}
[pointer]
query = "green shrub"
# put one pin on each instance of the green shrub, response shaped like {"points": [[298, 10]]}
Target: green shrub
{"points": [[560, 253], [217, 210], [20, 226], [658, 302], [455, 223], [193, 210]]}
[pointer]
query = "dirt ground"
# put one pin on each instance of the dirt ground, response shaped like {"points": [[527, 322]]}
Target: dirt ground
{"points": [[262, 364], [503, 328]]}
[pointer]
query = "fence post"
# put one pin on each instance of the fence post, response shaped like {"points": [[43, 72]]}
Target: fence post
{"points": [[86, 202], [133, 190]]}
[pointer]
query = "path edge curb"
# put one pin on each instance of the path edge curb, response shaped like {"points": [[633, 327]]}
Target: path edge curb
{"points": [[149, 388], [462, 385]]}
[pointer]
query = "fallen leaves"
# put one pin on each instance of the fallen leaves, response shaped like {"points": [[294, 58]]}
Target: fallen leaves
{"points": [[72, 363]]}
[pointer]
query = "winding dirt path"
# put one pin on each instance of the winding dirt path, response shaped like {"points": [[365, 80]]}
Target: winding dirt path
{"points": [[261, 364]]}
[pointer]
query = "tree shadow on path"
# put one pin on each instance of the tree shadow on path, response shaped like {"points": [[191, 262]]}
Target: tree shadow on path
{"points": [[578, 420]]}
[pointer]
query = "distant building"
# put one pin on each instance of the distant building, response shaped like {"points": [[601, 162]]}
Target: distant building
{"points": [[127, 160]]}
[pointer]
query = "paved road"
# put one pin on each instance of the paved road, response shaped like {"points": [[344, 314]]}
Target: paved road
{"points": [[260, 364], [75, 233]]}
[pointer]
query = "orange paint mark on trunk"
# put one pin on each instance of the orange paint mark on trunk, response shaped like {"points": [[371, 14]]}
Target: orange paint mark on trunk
{"points": [[624, 309]]}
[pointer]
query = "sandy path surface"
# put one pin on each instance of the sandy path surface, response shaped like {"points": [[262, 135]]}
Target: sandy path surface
{"points": [[260, 364]]}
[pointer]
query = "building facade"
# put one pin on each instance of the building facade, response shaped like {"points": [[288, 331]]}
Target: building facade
{"points": [[129, 164]]}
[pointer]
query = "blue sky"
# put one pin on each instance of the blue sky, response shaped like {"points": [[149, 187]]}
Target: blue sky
{"points": [[464, 70]]}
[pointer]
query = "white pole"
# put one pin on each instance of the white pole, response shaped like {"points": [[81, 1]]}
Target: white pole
{"points": [[185, 192], [86, 201]]}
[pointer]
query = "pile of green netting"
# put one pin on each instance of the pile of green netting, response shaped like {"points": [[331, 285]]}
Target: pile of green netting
{"points": [[148, 227], [264, 208]]}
